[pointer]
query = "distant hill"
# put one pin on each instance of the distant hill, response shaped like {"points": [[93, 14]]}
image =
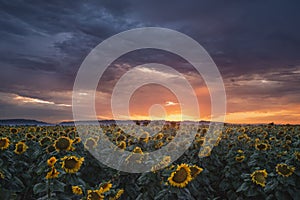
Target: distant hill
{"points": [[29, 122]]}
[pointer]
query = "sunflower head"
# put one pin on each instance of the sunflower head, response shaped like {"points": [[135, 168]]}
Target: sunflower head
{"points": [[195, 171], [284, 170], [53, 173], [63, 144], [90, 143], [45, 141], [137, 150], [181, 177], [261, 146], [20, 148], [106, 186], [51, 161], [4, 143], [95, 194], [240, 158], [71, 164], [122, 145], [13, 130], [259, 177], [77, 190]]}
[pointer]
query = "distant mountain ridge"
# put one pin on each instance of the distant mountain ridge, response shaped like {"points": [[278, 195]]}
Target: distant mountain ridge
{"points": [[28, 122], [32, 122]]}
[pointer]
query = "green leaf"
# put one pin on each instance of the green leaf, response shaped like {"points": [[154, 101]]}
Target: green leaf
{"points": [[39, 188], [57, 186], [243, 187]]}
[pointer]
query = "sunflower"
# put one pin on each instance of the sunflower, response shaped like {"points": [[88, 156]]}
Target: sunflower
{"points": [[240, 158], [71, 164], [77, 190], [259, 177], [261, 146], [240, 151], [53, 173], [205, 151], [181, 177], [297, 155], [122, 145], [13, 130], [4, 143], [90, 143], [284, 170], [144, 137], [95, 194], [29, 136], [51, 161], [138, 150], [106, 186], [50, 149], [21, 147], [118, 195], [63, 144], [195, 170], [45, 141], [159, 136]]}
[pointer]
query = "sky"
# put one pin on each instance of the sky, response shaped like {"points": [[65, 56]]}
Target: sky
{"points": [[255, 45]]}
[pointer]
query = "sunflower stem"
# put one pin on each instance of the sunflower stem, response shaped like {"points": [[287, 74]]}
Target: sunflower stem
{"points": [[49, 190]]}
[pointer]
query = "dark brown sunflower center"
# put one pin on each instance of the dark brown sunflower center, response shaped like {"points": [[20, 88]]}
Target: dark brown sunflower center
{"points": [[194, 171], [285, 170], [70, 163], [90, 143], [261, 146], [2, 143], [259, 177], [20, 147], [94, 196], [62, 143], [180, 176]]}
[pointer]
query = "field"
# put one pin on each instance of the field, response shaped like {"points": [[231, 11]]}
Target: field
{"points": [[246, 162]]}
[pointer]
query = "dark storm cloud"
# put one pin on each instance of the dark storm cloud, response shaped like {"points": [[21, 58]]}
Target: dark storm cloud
{"points": [[44, 42]]}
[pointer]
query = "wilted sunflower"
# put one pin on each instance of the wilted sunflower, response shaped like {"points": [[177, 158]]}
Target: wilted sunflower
{"points": [[51, 161], [118, 195], [284, 170], [53, 173], [95, 194], [77, 190], [261, 146], [181, 177], [71, 164], [195, 171], [106, 186], [240, 158], [20, 148], [259, 177], [4, 143], [63, 144]]}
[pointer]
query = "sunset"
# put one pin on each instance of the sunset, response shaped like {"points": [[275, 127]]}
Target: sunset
{"points": [[149, 100]]}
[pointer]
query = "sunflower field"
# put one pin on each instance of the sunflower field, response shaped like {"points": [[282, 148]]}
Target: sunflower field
{"points": [[246, 162]]}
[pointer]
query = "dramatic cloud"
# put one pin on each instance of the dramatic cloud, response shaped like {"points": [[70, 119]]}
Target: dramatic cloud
{"points": [[255, 44]]}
